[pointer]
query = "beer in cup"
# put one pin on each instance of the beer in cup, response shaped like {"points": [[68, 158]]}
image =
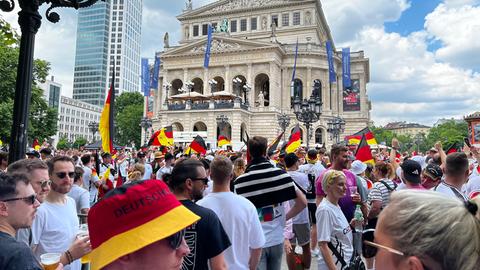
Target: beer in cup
{"points": [[50, 261]]}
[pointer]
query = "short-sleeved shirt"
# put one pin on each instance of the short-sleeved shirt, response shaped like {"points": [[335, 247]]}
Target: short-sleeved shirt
{"points": [[380, 192], [345, 203], [450, 191], [300, 179], [16, 255], [89, 180], [333, 227], [206, 238], [148, 172], [81, 197]]}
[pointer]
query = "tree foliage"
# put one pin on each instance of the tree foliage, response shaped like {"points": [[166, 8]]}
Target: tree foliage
{"points": [[448, 133], [80, 141], [129, 112], [384, 136], [42, 119], [63, 144]]}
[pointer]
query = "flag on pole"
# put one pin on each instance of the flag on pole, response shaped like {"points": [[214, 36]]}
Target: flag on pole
{"points": [[197, 145], [162, 137], [274, 145], [357, 137], [331, 67], [206, 61], [156, 71], [222, 140], [364, 153], [145, 77], [294, 141], [292, 82], [347, 83], [106, 125]]}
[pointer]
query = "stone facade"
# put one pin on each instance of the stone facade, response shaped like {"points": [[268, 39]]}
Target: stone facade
{"points": [[257, 53]]}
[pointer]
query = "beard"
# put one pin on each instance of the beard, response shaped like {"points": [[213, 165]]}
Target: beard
{"points": [[62, 189], [197, 195]]}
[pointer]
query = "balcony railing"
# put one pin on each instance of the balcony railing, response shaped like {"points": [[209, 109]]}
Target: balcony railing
{"points": [[200, 106], [176, 107], [223, 105]]}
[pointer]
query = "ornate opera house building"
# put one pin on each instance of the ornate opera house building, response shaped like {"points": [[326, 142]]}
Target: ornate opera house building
{"points": [[247, 85]]}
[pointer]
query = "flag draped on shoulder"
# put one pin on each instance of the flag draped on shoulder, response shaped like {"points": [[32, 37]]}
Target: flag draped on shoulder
{"points": [[223, 140], [106, 125], [357, 137], [197, 146], [162, 137], [364, 153], [294, 141], [274, 145]]}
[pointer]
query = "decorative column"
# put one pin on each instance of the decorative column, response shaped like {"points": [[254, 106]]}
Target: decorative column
{"points": [[309, 82], [228, 83]]}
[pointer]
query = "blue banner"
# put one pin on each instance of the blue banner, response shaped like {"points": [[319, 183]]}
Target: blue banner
{"points": [[206, 61], [347, 83], [295, 62], [331, 68], [145, 77], [156, 70]]}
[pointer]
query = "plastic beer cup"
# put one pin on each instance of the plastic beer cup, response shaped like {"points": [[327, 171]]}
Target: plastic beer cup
{"points": [[50, 261]]}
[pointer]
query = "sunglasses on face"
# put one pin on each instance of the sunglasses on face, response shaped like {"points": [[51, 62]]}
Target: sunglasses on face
{"points": [[30, 200], [62, 175], [175, 241], [204, 180], [45, 183]]}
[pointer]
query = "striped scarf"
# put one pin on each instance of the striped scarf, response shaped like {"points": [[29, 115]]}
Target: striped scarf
{"points": [[264, 185]]}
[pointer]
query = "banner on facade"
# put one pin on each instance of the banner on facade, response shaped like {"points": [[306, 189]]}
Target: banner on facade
{"points": [[206, 61], [351, 97], [331, 68], [156, 71], [145, 77], [346, 68]]}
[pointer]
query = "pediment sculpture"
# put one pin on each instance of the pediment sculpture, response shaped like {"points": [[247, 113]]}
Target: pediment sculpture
{"points": [[239, 4], [218, 45]]}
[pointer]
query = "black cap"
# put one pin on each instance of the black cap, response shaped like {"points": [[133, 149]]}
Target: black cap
{"points": [[433, 171], [411, 171], [33, 153], [106, 155], [141, 154]]}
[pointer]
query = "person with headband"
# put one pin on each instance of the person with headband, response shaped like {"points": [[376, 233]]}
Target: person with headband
{"points": [[334, 233], [422, 230]]}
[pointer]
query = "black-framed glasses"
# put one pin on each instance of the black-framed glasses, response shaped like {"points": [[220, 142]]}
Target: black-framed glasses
{"points": [[175, 240], [62, 175], [204, 180], [45, 183], [28, 200]]}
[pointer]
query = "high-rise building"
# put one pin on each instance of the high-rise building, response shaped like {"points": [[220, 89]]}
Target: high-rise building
{"points": [[109, 30], [51, 92]]}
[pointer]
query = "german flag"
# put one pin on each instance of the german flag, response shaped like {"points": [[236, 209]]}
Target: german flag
{"points": [[106, 126], [274, 145], [364, 154], [357, 137], [162, 137], [36, 145], [197, 145], [294, 141], [222, 140]]}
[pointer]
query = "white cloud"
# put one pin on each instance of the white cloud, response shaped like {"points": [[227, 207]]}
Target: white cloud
{"points": [[457, 28]]}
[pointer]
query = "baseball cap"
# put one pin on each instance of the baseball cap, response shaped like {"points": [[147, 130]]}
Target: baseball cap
{"points": [[141, 154], [433, 171], [132, 217], [358, 167], [34, 153], [411, 171]]}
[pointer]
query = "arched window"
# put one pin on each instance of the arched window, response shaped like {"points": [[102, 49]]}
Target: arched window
{"points": [[262, 90], [197, 85], [319, 136], [176, 86], [220, 86], [199, 126], [298, 89], [317, 88]]}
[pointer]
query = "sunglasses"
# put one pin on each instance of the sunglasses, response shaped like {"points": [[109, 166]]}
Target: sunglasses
{"points": [[62, 175], [204, 180], [175, 241], [30, 200], [376, 246], [45, 183]]}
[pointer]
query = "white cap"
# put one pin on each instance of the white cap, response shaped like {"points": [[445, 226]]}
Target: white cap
{"points": [[420, 160], [358, 167]]}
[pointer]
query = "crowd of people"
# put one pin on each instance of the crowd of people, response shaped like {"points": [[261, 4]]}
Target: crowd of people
{"points": [[251, 209]]}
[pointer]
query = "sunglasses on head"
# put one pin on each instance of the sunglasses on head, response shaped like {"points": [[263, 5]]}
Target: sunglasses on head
{"points": [[62, 175], [175, 240], [28, 200], [204, 180]]}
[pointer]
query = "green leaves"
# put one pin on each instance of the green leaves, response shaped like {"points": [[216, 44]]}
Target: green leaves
{"points": [[129, 112]]}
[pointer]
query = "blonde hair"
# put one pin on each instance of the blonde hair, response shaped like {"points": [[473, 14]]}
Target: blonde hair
{"points": [[330, 177], [428, 224], [136, 172], [239, 166]]}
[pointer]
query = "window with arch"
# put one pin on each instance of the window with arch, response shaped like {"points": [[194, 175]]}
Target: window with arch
{"points": [[319, 136], [317, 88], [298, 89]]}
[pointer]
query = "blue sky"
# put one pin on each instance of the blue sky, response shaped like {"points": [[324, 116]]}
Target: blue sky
{"points": [[423, 53]]}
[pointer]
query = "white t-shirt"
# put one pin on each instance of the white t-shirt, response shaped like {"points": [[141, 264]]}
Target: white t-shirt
{"points": [[450, 191], [315, 169], [163, 171], [273, 220], [333, 227], [473, 185], [148, 172], [89, 180], [302, 180], [80, 196], [239, 218], [54, 229]]}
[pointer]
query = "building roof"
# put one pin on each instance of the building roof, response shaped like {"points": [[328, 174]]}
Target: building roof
{"points": [[400, 125]]}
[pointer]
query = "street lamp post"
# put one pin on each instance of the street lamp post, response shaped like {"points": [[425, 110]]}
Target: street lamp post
{"points": [[30, 20], [307, 111], [283, 122], [237, 82], [145, 123], [93, 127], [336, 126], [246, 91]]}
